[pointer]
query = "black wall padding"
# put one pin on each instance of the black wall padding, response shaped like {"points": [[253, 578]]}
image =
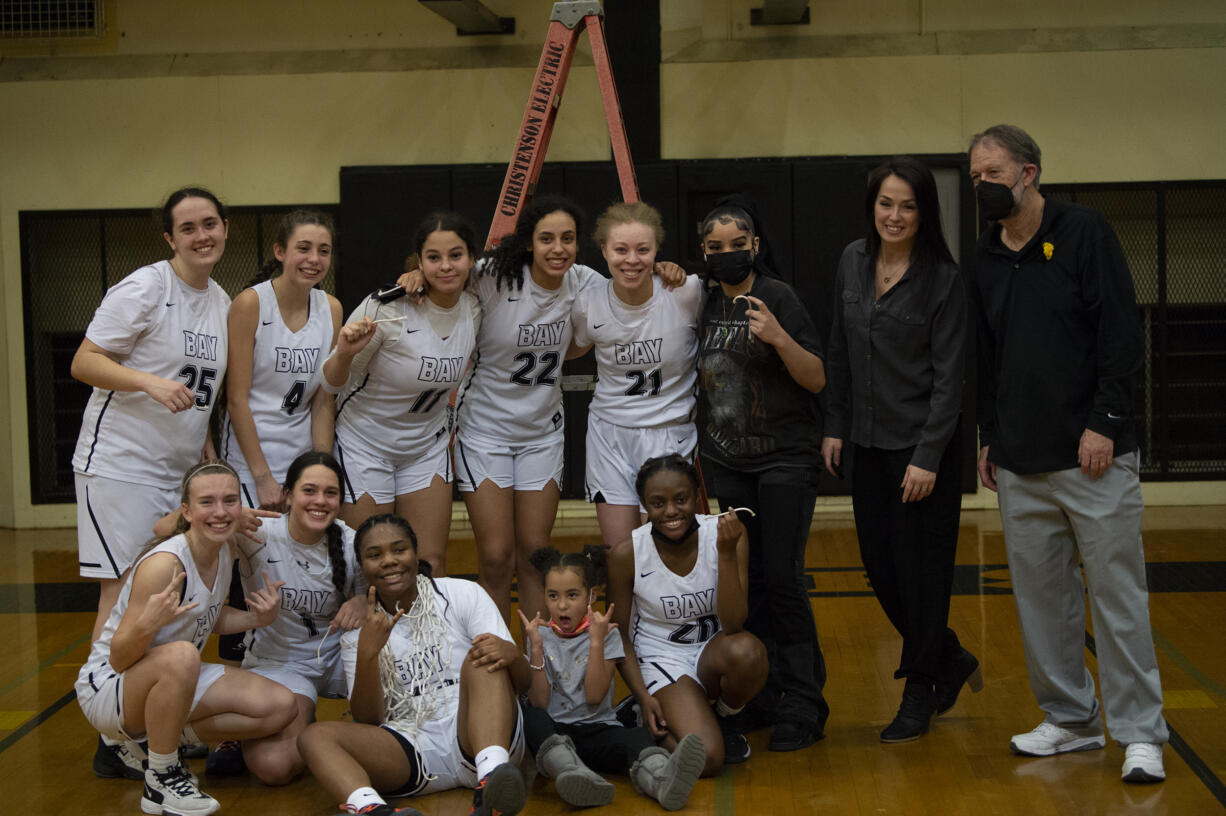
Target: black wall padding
{"points": [[811, 207]]}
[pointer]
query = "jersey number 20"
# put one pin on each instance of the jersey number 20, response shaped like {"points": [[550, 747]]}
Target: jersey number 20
{"points": [[699, 631]]}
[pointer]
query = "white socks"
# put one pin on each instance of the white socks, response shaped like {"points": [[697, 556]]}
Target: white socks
{"points": [[725, 710], [490, 758], [162, 762], [362, 797]]}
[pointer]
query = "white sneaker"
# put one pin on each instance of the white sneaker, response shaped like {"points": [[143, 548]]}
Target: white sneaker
{"points": [[175, 793], [1143, 763], [1050, 738]]}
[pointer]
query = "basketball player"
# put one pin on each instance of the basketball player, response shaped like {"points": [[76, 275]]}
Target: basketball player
{"points": [[433, 676], [687, 578], [144, 678], [281, 329], [395, 365], [311, 553], [646, 339]]}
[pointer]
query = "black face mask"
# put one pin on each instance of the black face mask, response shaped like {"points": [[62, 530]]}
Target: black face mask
{"points": [[995, 200], [730, 267]]}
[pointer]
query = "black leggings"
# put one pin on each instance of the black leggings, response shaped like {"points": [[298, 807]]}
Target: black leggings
{"points": [[780, 614], [603, 747]]}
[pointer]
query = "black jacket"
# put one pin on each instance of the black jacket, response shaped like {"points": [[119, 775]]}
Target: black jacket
{"points": [[1060, 341]]}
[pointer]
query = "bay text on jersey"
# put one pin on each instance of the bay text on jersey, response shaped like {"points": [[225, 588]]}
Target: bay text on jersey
{"points": [[200, 346]]}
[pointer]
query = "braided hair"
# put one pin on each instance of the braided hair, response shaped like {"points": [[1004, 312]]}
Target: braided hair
{"points": [[657, 464], [333, 535], [743, 212]]}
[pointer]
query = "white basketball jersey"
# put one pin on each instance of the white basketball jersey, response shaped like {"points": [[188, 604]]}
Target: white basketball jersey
{"points": [[194, 626], [674, 612], [309, 599], [285, 371], [397, 393], [513, 392], [467, 612], [646, 356], [154, 322]]}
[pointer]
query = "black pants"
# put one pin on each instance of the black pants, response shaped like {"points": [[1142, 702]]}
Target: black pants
{"points": [[603, 747], [908, 552], [780, 614]]}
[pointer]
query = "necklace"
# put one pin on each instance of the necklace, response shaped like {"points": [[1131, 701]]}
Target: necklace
{"points": [[889, 273]]}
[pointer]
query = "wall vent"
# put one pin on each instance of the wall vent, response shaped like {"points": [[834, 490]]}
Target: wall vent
{"points": [[51, 19]]}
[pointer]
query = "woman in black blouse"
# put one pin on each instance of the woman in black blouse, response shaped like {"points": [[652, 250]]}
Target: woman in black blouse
{"points": [[894, 391]]}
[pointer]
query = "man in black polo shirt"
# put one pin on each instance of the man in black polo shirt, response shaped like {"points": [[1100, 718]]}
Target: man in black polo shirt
{"points": [[1059, 348]]}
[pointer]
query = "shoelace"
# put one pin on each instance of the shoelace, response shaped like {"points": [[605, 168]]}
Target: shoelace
{"points": [[178, 782]]}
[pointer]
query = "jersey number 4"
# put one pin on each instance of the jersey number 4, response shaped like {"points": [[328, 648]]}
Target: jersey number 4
{"points": [[548, 363], [293, 397], [699, 631], [199, 380]]}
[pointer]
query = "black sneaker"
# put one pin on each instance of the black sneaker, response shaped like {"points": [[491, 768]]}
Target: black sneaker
{"points": [[736, 747], [193, 750], [757, 714], [792, 736], [500, 793], [119, 761], [627, 712], [226, 760]]}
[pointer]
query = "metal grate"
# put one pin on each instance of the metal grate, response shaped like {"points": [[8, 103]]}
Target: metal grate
{"points": [[51, 19], [1172, 234], [69, 260]]}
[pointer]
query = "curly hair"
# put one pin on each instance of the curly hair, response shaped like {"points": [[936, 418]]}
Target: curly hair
{"points": [[506, 261]]}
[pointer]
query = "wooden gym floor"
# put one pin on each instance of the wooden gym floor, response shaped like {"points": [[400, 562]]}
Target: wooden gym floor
{"points": [[963, 766]]}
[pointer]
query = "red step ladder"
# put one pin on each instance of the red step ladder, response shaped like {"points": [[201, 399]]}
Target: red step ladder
{"points": [[566, 22], [568, 19]]}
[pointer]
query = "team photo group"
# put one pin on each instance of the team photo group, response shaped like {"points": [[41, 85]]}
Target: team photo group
{"points": [[293, 494]]}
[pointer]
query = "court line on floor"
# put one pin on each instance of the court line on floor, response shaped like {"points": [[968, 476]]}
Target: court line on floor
{"points": [[1186, 666], [724, 804], [1186, 752], [42, 716], [45, 664]]}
